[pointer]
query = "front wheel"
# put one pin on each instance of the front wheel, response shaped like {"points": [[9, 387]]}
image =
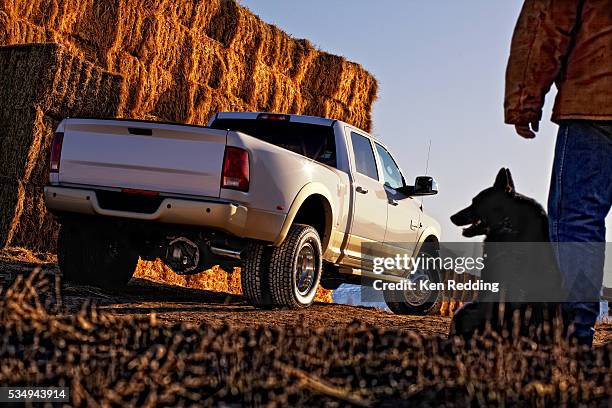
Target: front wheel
{"points": [[295, 268], [420, 301]]}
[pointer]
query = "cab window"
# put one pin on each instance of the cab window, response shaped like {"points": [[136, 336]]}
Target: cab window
{"points": [[392, 176], [365, 162], [313, 141]]}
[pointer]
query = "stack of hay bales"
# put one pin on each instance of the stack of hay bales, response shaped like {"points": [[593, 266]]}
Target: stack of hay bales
{"points": [[173, 60], [183, 60], [39, 85]]}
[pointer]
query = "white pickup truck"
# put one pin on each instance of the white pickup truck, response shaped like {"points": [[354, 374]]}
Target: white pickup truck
{"points": [[291, 199]]}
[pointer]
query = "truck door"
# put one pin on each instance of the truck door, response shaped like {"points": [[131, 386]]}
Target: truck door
{"points": [[369, 220], [403, 213]]}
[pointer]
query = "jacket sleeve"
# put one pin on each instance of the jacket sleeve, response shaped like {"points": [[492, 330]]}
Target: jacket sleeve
{"points": [[542, 39]]}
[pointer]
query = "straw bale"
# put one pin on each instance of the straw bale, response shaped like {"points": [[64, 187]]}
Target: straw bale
{"points": [[273, 91], [209, 64], [322, 75], [24, 136], [356, 87], [63, 85], [175, 101], [223, 25], [334, 109], [80, 88], [302, 55], [25, 223], [18, 31], [201, 13], [208, 101], [39, 85], [285, 54]]}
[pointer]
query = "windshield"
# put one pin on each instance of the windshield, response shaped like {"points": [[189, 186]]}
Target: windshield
{"points": [[316, 142]]}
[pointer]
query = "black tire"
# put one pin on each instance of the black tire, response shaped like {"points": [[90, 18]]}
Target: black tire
{"points": [[95, 257], [70, 257], [402, 303], [254, 275], [287, 290]]}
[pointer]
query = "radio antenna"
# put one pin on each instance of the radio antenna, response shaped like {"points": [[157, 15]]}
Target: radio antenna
{"points": [[426, 167]]}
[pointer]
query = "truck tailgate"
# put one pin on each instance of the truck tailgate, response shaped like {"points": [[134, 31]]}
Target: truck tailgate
{"points": [[143, 155]]}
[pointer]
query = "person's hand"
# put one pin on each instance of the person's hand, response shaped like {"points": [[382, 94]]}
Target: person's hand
{"points": [[527, 132]]}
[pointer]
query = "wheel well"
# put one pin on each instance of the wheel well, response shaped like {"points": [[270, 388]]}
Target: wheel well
{"points": [[316, 212], [431, 242]]}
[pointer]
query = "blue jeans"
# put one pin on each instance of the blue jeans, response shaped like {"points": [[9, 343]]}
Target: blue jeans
{"points": [[579, 200]]}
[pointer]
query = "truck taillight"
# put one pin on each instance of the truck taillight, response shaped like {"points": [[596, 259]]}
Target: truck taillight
{"points": [[56, 152], [235, 174]]}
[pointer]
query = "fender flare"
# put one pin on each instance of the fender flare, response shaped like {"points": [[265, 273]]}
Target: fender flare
{"points": [[310, 189]]}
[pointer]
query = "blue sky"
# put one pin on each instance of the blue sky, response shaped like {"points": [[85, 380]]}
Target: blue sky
{"points": [[440, 66]]}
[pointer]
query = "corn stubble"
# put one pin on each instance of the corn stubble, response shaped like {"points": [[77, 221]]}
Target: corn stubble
{"points": [[109, 360]]}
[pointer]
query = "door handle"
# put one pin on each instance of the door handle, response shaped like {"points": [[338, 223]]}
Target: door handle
{"points": [[393, 202], [414, 226], [361, 190]]}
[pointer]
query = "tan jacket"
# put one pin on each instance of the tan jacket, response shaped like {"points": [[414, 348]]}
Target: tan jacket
{"points": [[568, 42]]}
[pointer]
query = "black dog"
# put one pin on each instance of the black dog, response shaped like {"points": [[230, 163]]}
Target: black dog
{"points": [[517, 256]]}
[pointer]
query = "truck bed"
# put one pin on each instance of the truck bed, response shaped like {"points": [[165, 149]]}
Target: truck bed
{"points": [[143, 155]]}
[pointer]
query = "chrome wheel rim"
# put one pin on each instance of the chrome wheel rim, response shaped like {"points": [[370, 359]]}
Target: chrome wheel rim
{"points": [[305, 269], [418, 296]]}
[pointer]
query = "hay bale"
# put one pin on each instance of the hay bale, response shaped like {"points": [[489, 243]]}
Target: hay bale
{"points": [[39, 85], [26, 134], [322, 76], [17, 31], [24, 220], [274, 92], [208, 64], [43, 80], [223, 25]]}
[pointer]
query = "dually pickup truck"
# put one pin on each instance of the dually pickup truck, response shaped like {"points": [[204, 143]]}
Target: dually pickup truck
{"points": [[290, 199]]}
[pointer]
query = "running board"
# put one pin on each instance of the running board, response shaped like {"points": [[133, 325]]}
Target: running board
{"points": [[371, 275]]}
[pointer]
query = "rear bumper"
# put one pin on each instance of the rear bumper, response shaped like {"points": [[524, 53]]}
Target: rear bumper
{"points": [[231, 218]]}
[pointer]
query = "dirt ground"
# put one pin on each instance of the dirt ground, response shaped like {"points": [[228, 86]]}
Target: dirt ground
{"points": [[172, 304]]}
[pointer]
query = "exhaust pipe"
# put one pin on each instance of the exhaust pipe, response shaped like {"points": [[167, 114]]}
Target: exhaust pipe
{"points": [[226, 253]]}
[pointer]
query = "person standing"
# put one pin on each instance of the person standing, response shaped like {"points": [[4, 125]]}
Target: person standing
{"points": [[569, 43]]}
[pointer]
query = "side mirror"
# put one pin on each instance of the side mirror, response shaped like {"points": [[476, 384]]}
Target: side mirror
{"points": [[424, 186]]}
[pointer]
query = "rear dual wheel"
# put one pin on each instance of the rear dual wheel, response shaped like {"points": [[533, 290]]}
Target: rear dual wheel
{"points": [[254, 275], [286, 276], [94, 257]]}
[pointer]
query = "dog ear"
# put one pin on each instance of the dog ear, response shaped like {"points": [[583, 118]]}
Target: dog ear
{"points": [[510, 182], [501, 180], [504, 181]]}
